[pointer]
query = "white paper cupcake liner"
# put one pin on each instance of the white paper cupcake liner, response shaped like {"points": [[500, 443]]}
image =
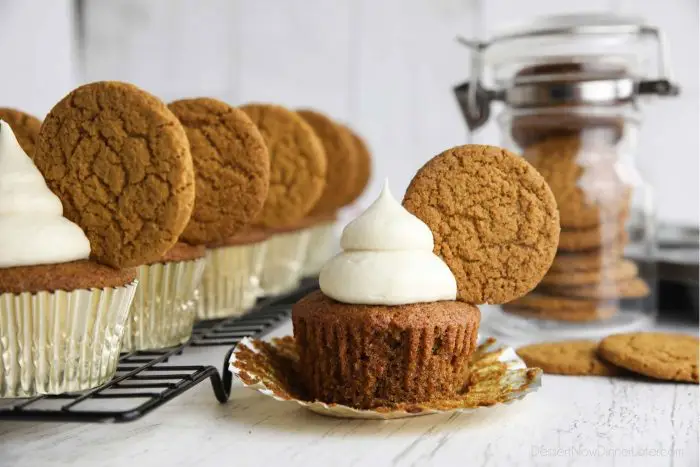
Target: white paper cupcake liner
{"points": [[284, 260], [496, 376], [162, 314], [322, 246], [231, 281], [58, 342]]}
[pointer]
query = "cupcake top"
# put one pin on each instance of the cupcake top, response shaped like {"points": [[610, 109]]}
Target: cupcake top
{"points": [[33, 230], [387, 259]]}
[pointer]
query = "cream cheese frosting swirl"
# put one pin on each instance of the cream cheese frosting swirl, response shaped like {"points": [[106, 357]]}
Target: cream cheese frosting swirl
{"points": [[33, 230], [387, 259]]}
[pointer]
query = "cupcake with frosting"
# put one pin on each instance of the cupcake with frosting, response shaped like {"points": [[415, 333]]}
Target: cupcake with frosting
{"points": [[385, 327], [62, 315]]}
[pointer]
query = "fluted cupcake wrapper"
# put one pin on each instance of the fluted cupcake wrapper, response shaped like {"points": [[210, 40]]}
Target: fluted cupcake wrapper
{"points": [[162, 314], [495, 376], [58, 342], [284, 260], [322, 246], [231, 282]]}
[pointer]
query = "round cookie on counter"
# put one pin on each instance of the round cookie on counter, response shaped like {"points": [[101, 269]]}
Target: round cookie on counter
{"points": [[494, 219], [576, 358], [63, 313], [657, 355], [25, 127], [120, 162]]}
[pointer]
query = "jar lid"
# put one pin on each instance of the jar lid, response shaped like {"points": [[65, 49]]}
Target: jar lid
{"points": [[566, 60], [591, 37]]}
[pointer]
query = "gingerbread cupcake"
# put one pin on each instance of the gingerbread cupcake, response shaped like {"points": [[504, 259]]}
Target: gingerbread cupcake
{"points": [[166, 300], [232, 171], [120, 162], [298, 167], [385, 327], [62, 314]]}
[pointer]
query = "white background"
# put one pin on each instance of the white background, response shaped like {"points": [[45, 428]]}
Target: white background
{"points": [[385, 66]]}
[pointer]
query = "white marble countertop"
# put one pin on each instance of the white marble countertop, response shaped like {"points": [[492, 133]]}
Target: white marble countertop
{"points": [[572, 421]]}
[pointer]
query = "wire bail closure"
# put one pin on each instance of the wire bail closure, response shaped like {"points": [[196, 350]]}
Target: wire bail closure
{"points": [[475, 100]]}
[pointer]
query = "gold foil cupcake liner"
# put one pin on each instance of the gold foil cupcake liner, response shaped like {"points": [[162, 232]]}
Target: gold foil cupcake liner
{"points": [[231, 281], [496, 375], [162, 314], [58, 342], [284, 261], [322, 246]]}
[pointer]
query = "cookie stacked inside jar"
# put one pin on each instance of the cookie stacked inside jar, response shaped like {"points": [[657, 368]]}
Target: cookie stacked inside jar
{"points": [[583, 154]]}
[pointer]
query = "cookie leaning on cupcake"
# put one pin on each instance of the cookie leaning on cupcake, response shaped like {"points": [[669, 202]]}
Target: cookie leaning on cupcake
{"points": [[349, 168], [298, 166], [232, 171], [62, 314], [394, 323]]}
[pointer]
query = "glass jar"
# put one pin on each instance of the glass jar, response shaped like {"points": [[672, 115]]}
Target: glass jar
{"points": [[569, 89]]}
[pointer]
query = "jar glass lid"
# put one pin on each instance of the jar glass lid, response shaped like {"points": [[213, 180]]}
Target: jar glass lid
{"points": [[600, 40]]}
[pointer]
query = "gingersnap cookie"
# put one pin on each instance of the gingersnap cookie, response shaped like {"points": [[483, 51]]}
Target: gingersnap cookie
{"points": [[120, 162], [575, 240], [611, 290], [557, 314], [364, 167], [587, 260], [231, 166], [657, 355], [539, 301], [584, 178], [576, 358], [24, 126], [621, 270], [493, 217], [342, 162], [297, 164]]}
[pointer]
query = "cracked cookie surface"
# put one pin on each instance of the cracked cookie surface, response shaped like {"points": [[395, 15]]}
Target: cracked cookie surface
{"points": [[341, 157], [24, 126], [120, 162], [654, 354], [231, 166], [493, 218], [297, 164], [567, 358]]}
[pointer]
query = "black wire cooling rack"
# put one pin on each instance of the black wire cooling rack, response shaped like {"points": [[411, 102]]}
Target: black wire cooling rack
{"points": [[146, 380]]}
